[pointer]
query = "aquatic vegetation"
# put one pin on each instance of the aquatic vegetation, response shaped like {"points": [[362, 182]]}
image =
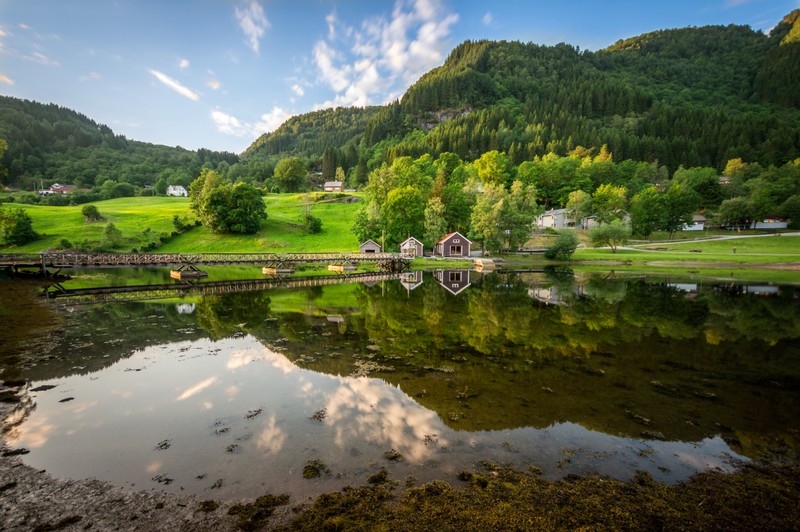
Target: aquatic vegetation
{"points": [[253, 516]]}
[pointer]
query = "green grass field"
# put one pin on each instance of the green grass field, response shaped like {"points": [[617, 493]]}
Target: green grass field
{"points": [[132, 216], [752, 250]]}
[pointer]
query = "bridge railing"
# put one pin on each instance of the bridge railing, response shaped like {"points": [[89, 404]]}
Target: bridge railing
{"points": [[71, 259]]}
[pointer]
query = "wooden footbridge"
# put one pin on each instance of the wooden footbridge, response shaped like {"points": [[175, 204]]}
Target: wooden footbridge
{"points": [[57, 261], [64, 296]]}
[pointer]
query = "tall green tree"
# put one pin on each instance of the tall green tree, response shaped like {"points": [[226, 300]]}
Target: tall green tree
{"points": [[291, 174], [486, 218], [646, 211], [579, 206], [518, 213], [494, 168], [435, 221], [403, 215], [736, 212], [608, 203], [679, 205]]}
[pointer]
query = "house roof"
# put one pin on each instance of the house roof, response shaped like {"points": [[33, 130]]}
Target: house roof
{"points": [[448, 235], [369, 241], [333, 183], [698, 218], [411, 238], [554, 212]]}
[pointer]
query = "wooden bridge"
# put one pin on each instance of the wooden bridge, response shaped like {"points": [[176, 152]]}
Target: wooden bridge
{"points": [[166, 291], [60, 260]]}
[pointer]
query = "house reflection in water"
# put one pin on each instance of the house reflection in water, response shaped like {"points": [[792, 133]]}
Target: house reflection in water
{"points": [[411, 280], [454, 281]]}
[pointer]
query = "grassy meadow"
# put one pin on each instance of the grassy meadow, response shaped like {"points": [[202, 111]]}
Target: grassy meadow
{"points": [[282, 231], [144, 220], [768, 249]]}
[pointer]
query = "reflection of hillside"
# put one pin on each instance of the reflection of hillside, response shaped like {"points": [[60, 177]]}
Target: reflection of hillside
{"points": [[92, 338], [615, 355], [622, 357]]}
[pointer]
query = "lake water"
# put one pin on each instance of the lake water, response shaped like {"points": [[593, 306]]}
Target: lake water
{"points": [[241, 391]]}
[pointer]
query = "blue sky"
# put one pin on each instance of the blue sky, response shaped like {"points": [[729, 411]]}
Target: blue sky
{"points": [[217, 73]]}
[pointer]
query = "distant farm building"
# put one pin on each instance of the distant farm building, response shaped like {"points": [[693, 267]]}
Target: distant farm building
{"points": [[411, 247], [370, 246], [453, 245], [698, 223], [333, 186], [177, 190]]}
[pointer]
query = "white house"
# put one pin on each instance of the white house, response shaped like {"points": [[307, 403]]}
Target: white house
{"points": [[177, 190], [698, 223], [333, 186], [554, 219]]}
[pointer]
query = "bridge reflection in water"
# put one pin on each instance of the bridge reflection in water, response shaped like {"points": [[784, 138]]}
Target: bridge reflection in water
{"points": [[59, 294]]}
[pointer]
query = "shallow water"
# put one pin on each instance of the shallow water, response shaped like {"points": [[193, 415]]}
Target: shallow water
{"points": [[236, 394]]}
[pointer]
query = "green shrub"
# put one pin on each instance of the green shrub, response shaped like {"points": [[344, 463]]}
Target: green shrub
{"points": [[563, 246]]}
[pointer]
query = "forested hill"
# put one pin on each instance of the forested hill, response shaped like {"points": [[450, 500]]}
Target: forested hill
{"points": [[692, 97], [48, 143]]}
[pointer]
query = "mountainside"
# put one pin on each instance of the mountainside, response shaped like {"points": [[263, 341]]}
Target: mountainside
{"points": [[49, 143], [692, 97]]}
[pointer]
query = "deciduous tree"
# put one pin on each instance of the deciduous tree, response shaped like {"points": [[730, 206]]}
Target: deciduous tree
{"points": [[291, 174], [612, 234]]}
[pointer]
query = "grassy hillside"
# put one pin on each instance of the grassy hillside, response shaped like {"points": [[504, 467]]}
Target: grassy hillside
{"points": [[135, 216]]}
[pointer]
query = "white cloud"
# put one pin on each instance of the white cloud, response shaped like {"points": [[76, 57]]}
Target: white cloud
{"points": [[214, 84], [297, 89], [183, 63], [253, 22], [6, 80], [267, 122], [91, 76], [271, 121], [175, 85], [487, 18], [331, 20], [43, 59], [385, 55]]}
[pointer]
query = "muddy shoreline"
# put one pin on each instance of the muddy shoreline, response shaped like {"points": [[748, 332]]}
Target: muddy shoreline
{"points": [[761, 496]]}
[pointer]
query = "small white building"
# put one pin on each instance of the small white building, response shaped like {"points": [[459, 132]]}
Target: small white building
{"points": [[177, 190], [554, 219], [698, 223], [411, 247], [333, 186], [771, 223]]}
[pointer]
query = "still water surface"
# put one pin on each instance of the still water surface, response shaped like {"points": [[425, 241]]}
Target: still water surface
{"points": [[236, 394]]}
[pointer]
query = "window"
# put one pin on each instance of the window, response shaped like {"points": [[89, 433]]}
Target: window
{"points": [[455, 250], [455, 277], [456, 241]]}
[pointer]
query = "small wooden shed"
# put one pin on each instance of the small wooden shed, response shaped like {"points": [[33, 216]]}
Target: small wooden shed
{"points": [[370, 246], [411, 247]]}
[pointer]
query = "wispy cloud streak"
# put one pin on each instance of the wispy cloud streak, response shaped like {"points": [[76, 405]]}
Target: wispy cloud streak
{"points": [[175, 85]]}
